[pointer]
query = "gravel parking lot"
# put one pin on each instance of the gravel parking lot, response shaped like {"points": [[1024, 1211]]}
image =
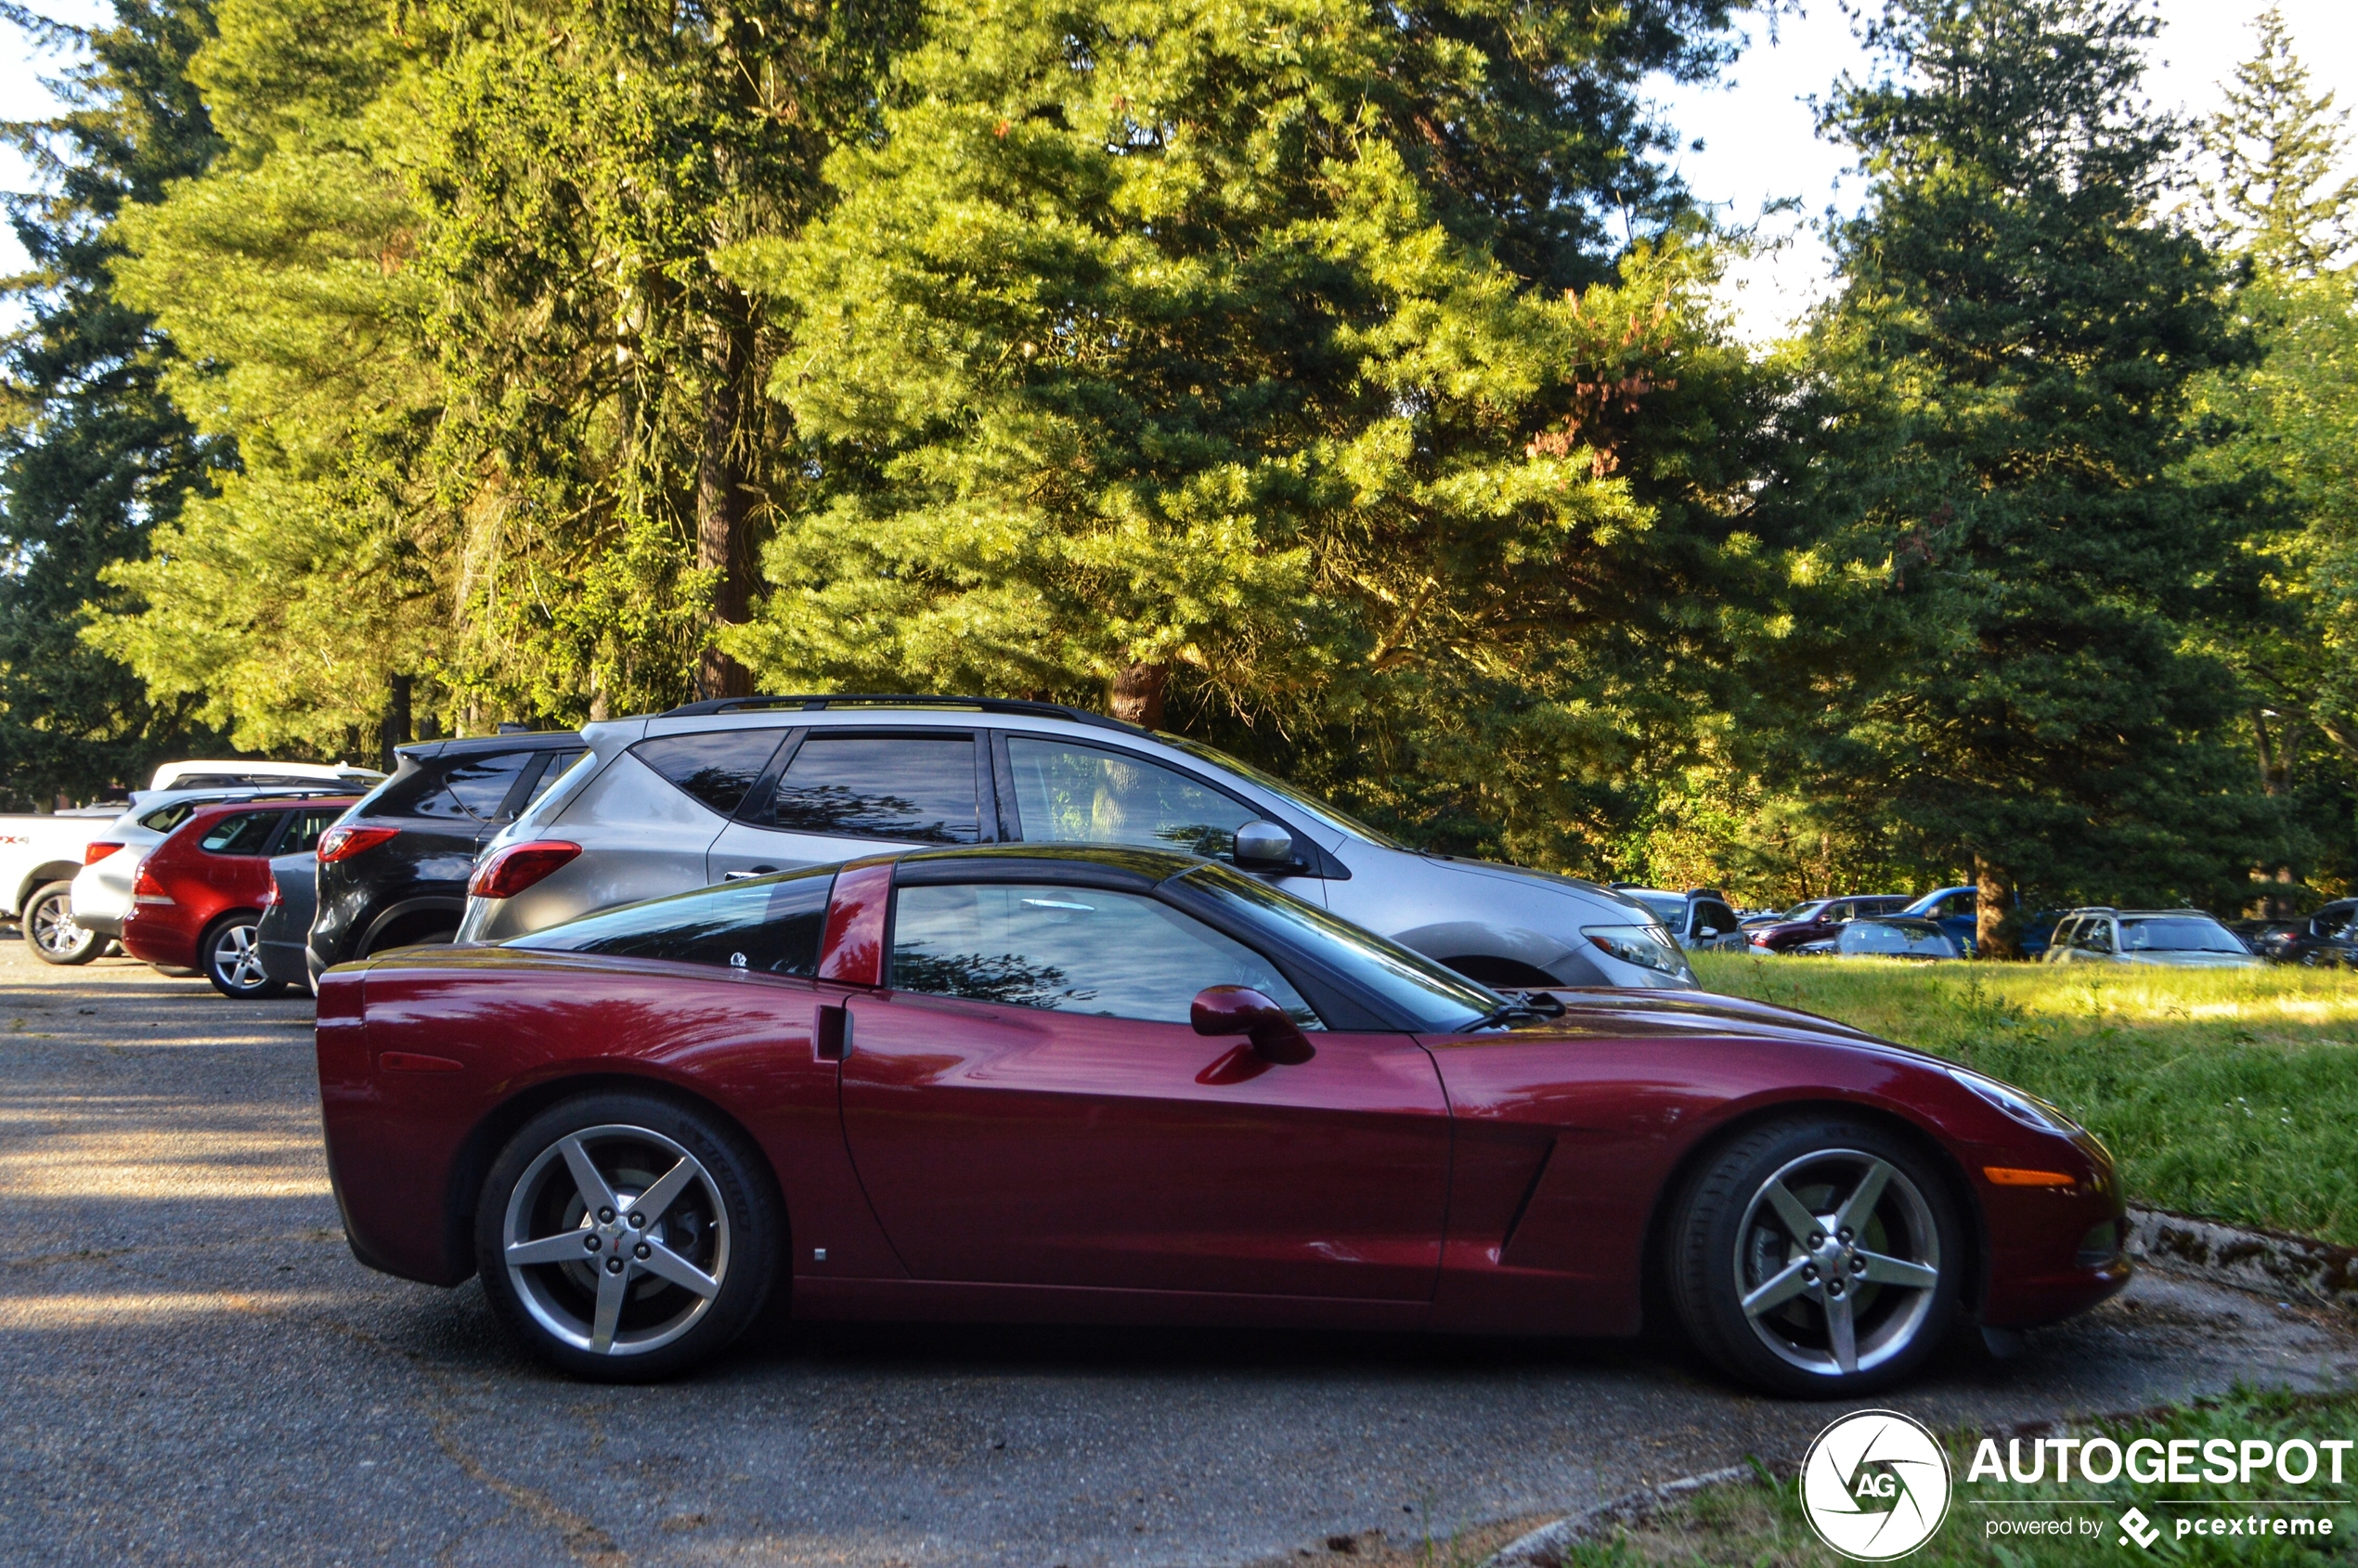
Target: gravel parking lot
{"points": [[196, 1371]]}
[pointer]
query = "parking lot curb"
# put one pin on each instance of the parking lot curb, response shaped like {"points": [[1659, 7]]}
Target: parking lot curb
{"points": [[2272, 1262], [1545, 1547]]}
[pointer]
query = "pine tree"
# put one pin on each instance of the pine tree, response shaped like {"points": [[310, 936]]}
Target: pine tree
{"points": [[2006, 374], [1270, 365], [2278, 146], [94, 457]]}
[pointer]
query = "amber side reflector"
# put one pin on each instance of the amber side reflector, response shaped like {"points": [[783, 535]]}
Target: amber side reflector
{"points": [[2007, 1176]]}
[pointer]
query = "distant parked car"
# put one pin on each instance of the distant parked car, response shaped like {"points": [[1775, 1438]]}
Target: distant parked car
{"points": [[737, 787], [197, 899], [283, 938], [39, 855], [2184, 938], [394, 872], [102, 888], [2326, 940], [1887, 936], [1958, 910], [1821, 920], [255, 773], [1699, 917]]}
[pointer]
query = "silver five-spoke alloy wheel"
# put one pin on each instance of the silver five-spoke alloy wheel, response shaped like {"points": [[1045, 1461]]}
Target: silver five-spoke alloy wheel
{"points": [[53, 930], [1838, 1262], [616, 1239], [236, 958]]}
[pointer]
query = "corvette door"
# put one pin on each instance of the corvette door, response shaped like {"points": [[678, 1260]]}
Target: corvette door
{"points": [[1027, 1106]]}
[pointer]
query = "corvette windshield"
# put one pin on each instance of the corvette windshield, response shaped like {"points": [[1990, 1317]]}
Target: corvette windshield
{"points": [[1277, 787], [1438, 1000]]}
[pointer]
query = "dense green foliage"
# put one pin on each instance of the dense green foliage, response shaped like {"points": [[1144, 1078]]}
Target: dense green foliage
{"points": [[93, 455], [1341, 384]]}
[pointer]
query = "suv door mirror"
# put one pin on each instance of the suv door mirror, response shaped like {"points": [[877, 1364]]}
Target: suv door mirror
{"points": [[1238, 1009], [1263, 845]]}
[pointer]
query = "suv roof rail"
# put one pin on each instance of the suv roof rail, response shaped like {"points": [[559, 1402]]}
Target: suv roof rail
{"points": [[819, 702]]}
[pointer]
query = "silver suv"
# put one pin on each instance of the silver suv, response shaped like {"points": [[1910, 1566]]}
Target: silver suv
{"points": [[738, 787]]}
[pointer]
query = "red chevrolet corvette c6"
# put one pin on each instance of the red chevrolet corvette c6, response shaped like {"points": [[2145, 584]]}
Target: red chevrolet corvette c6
{"points": [[1120, 1086]]}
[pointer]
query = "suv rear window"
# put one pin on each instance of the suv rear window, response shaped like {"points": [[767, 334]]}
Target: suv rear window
{"points": [[467, 789], [914, 788], [240, 832], [716, 768]]}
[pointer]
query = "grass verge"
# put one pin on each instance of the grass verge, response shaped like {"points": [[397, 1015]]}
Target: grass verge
{"points": [[1760, 1522], [2229, 1094]]}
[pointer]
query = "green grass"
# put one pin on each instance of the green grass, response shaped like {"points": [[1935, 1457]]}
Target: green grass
{"points": [[1759, 1522], [2232, 1094]]}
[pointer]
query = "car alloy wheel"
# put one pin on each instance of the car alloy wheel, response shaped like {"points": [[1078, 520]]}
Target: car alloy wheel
{"points": [[1816, 1257], [1836, 1260], [626, 1237], [617, 1241], [233, 959], [51, 930]]}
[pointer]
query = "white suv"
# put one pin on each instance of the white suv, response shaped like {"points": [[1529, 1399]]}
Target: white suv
{"points": [[738, 787]]}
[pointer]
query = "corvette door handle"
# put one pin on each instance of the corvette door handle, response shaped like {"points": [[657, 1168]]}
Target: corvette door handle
{"points": [[742, 875], [832, 1041]]}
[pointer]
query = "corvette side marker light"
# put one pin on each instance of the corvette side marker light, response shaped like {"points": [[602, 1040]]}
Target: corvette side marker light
{"points": [[2007, 1176]]}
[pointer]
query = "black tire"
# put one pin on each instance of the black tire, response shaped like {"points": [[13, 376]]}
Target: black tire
{"points": [[557, 1304], [1730, 1239], [49, 928], [230, 954]]}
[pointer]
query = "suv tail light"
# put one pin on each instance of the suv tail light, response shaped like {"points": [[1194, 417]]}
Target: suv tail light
{"points": [[343, 843], [146, 889], [519, 866], [98, 850]]}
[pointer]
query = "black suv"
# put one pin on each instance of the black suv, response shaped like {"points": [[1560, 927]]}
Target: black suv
{"points": [[393, 872]]}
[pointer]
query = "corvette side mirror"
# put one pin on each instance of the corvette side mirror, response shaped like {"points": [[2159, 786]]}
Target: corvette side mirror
{"points": [[1239, 1010], [1263, 845]]}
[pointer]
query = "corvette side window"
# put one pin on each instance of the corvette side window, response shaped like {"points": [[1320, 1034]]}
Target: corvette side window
{"points": [[773, 927], [1074, 950], [1068, 793]]}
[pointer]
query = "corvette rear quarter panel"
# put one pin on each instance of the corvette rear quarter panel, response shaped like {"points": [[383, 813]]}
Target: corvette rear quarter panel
{"points": [[1566, 1145], [481, 1041]]}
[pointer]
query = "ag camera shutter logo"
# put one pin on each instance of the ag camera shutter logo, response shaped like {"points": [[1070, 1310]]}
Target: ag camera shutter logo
{"points": [[1876, 1486]]}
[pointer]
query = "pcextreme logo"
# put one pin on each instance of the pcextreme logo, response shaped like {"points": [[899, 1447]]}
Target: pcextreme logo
{"points": [[1876, 1486]]}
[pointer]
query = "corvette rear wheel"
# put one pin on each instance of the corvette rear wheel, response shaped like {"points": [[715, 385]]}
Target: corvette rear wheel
{"points": [[626, 1237], [1817, 1257]]}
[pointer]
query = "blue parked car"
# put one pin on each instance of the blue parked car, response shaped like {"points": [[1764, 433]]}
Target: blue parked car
{"points": [[1956, 912]]}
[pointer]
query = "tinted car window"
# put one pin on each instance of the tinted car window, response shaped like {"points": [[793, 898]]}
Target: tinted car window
{"points": [[1712, 919], [240, 832], [1079, 795], [480, 784], [1434, 997], [558, 767], [772, 925], [163, 819], [919, 788], [304, 828], [718, 768], [2178, 934], [1075, 949], [2094, 934]]}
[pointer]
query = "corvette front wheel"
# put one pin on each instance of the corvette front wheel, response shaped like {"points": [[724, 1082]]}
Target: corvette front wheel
{"points": [[1817, 1257]]}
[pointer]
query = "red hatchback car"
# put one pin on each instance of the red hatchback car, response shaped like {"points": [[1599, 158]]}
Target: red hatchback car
{"points": [[197, 899], [1126, 1085]]}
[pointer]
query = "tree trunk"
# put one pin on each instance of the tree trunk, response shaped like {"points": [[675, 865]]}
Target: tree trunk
{"points": [[1137, 694], [396, 724], [724, 513], [1993, 911]]}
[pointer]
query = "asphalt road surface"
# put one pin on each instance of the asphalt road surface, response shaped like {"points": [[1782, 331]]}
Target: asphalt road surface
{"points": [[194, 1369]]}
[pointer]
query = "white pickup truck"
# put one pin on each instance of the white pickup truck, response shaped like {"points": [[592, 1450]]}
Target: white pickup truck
{"points": [[39, 856]]}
